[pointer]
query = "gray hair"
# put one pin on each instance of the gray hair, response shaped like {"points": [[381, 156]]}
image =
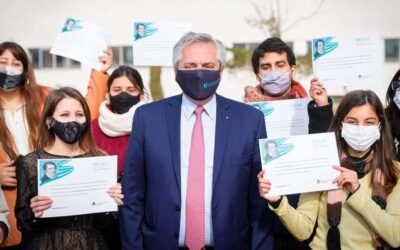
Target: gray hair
{"points": [[192, 37]]}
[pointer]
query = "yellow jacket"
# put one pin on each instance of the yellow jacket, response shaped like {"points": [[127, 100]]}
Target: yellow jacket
{"points": [[360, 216]]}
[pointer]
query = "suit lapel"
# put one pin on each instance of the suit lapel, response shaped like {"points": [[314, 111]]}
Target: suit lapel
{"points": [[221, 135], [173, 119]]}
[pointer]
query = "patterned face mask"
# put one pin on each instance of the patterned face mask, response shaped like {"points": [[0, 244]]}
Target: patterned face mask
{"points": [[10, 77], [68, 132]]}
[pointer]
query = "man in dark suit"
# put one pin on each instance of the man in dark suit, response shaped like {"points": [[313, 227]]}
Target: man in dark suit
{"points": [[191, 165]]}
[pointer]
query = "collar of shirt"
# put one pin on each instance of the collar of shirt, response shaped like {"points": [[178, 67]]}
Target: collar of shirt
{"points": [[189, 107], [19, 107]]}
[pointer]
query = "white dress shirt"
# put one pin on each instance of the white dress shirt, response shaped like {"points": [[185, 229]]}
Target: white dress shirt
{"points": [[188, 118], [18, 127]]}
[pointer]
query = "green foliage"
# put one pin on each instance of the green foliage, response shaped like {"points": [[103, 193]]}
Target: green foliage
{"points": [[304, 63], [155, 83], [241, 57]]}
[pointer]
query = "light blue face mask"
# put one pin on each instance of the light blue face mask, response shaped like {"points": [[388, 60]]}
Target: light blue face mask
{"points": [[275, 82]]}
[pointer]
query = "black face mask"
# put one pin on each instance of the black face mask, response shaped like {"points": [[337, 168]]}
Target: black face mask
{"points": [[9, 79], [68, 132], [122, 102]]}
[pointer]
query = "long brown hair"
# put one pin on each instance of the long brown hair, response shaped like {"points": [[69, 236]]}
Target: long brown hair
{"points": [[383, 148], [47, 138], [31, 95]]}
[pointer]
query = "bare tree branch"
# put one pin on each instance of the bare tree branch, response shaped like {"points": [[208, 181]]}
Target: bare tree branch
{"points": [[304, 17]]}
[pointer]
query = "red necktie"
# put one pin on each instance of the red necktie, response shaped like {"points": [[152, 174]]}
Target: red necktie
{"points": [[195, 206]]}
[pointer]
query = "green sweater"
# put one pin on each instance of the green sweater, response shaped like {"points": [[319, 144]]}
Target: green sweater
{"points": [[360, 216]]}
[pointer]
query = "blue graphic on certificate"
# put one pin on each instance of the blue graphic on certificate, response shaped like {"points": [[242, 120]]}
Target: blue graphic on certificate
{"points": [[77, 185], [300, 164]]}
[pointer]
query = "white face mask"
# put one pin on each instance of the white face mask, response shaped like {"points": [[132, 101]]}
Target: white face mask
{"points": [[396, 98], [359, 137]]}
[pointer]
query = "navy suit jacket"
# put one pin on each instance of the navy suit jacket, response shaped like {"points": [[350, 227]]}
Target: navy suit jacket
{"points": [[150, 216]]}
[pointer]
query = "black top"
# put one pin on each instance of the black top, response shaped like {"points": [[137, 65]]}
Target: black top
{"points": [[320, 117], [70, 232]]}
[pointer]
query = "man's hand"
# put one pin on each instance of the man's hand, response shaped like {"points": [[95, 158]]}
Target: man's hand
{"points": [[318, 92]]}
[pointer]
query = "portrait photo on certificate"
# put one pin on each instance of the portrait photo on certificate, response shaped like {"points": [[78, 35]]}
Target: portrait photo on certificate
{"points": [[300, 164]]}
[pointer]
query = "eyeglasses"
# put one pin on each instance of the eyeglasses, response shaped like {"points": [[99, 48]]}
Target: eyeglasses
{"points": [[395, 85]]}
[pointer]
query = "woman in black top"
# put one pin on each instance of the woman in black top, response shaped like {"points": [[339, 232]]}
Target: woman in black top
{"points": [[65, 132]]}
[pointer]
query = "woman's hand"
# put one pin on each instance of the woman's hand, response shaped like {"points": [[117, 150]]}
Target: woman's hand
{"points": [[106, 60], [347, 178], [39, 204], [264, 186], [115, 192], [7, 174], [318, 92]]}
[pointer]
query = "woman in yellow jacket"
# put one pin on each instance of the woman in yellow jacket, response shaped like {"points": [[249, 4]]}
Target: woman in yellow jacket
{"points": [[365, 213], [21, 104]]}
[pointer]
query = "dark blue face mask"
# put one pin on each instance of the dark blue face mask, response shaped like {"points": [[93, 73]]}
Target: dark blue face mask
{"points": [[198, 84]]}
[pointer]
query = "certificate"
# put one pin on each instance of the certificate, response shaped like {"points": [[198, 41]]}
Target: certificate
{"points": [[78, 185], [81, 41], [153, 42], [300, 164], [284, 118], [348, 60]]}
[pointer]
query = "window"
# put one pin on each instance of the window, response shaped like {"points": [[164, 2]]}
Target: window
{"points": [[47, 59], [391, 50], [61, 62], [41, 58], [34, 53], [116, 56], [128, 56]]}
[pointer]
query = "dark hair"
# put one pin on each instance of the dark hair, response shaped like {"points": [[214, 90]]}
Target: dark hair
{"points": [[392, 111], [47, 137], [47, 164], [32, 96], [131, 73], [383, 148], [272, 44], [140, 24], [271, 142], [316, 42]]}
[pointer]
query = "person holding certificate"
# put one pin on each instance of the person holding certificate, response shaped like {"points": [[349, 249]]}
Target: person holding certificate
{"points": [[21, 103], [65, 132], [112, 129], [274, 64], [364, 214]]}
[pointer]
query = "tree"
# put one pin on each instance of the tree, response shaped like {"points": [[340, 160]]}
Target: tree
{"points": [[155, 83], [274, 23]]}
